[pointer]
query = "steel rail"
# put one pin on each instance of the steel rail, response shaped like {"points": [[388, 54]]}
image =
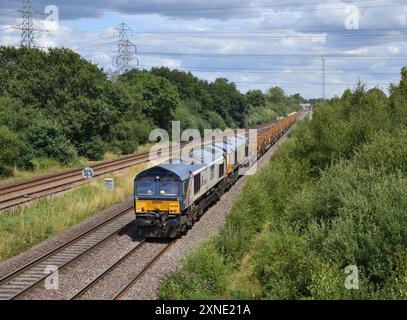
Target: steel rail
{"points": [[91, 284], [125, 288], [24, 278]]}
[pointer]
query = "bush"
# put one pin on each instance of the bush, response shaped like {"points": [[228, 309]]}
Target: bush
{"points": [[45, 139], [204, 277], [93, 149], [386, 150], [260, 116], [342, 126], [182, 286], [246, 217], [10, 149], [125, 137], [189, 119], [215, 120], [285, 266], [354, 216]]}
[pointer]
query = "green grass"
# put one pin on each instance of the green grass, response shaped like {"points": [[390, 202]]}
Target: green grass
{"points": [[23, 229]]}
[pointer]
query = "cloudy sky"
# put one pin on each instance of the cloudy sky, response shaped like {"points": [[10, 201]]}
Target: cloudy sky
{"points": [[254, 43]]}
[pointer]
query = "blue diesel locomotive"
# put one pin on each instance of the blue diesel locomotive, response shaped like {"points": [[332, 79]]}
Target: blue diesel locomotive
{"points": [[170, 198]]}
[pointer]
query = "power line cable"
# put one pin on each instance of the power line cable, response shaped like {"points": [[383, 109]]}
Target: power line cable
{"points": [[227, 10], [286, 55], [314, 83], [269, 71], [253, 31]]}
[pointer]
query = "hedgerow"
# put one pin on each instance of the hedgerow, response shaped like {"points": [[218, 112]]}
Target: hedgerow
{"points": [[335, 197]]}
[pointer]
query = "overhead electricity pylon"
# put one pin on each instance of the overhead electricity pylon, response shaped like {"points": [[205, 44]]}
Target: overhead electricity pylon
{"points": [[125, 59], [27, 26]]}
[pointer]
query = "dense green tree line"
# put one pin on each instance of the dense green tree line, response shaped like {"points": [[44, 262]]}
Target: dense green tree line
{"points": [[57, 105], [335, 197]]}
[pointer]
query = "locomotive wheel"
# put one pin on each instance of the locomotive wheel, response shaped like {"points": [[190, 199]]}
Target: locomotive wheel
{"points": [[190, 220], [195, 216]]}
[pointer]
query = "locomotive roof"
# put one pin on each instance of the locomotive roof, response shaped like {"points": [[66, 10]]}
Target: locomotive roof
{"points": [[208, 154], [202, 157], [180, 170]]}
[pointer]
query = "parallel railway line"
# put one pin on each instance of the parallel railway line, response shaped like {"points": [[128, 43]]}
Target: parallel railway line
{"points": [[163, 248], [147, 267], [20, 193], [95, 281], [18, 282], [27, 191]]}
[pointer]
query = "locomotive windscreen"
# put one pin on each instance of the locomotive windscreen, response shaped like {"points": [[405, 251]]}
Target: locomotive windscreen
{"points": [[146, 187], [169, 188]]}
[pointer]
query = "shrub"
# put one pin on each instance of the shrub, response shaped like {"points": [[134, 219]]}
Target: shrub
{"points": [[10, 149], [93, 149], [354, 216], [125, 137], [46, 139], [189, 120], [183, 286], [285, 266], [386, 150], [204, 276]]}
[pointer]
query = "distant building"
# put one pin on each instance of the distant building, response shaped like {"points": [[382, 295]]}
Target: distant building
{"points": [[306, 106]]}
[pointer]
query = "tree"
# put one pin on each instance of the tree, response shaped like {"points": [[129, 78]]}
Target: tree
{"points": [[276, 95], [228, 102], [297, 98], [256, 99], [160, 96]]}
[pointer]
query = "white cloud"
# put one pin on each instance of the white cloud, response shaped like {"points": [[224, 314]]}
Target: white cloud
{"points": [[303, 31]]}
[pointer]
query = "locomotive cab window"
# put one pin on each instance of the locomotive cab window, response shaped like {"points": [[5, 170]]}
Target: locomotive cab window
{"points": [[145, 187], [212, 172], [169, 188], [197, 183]]}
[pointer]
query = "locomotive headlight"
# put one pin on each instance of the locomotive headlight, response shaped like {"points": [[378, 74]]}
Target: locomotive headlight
{"points": [[141, 207]]}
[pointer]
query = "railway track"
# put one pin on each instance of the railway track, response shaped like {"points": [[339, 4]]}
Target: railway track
{"points": [[20, 193], [127, 287], [15, 284], [23, 192], [132, 255]]}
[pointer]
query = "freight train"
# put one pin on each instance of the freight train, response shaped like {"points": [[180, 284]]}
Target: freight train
{"points": [[171, 197]]}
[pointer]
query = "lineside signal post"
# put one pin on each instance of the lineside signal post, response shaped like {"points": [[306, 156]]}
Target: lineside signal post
{"points": [[87, 173]]}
